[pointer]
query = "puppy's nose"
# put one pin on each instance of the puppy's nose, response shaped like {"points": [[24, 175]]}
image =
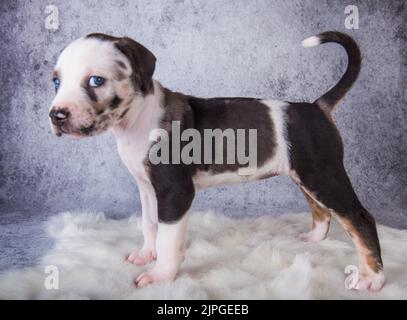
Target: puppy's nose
{"points": [[59, 116]]}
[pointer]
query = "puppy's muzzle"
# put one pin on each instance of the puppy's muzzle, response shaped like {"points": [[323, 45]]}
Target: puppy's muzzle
{"points": [[59, 116]]}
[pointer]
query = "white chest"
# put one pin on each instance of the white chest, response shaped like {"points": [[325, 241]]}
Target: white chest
{"points": [[133, 137], [133, 150]]}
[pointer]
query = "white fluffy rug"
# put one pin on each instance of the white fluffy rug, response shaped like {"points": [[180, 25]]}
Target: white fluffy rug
{"points": [[226, 259]]}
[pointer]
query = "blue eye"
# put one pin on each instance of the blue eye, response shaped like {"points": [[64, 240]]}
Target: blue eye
{"points": [[57, 83], [95, 81]]}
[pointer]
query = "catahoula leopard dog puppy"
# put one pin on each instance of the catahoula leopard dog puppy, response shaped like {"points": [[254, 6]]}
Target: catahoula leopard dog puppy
{"points": [[106, 82]]}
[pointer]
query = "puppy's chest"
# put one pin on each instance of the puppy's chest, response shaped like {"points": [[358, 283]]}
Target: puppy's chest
{"points": [[133, 150]]}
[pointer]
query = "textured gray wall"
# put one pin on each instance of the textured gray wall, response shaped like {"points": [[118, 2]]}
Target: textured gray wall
{"points": [[205, 48]]}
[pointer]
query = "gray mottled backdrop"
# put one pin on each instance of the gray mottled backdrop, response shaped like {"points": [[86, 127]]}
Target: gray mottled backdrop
{"points": [[205, 48]]}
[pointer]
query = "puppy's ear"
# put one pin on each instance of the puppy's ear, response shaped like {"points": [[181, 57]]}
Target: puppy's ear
{"points": [[142, 61]]}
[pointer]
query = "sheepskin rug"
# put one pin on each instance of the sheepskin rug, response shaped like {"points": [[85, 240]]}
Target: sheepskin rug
{"points": [[226, 259]]}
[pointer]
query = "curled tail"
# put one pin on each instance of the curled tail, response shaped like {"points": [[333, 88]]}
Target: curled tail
{"points": [[328, 100]]}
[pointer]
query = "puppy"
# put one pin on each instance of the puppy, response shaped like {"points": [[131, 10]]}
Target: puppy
{"points": [[104, 82]]}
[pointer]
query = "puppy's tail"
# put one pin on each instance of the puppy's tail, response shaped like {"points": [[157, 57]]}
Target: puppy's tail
{"points": [[333, 96]]}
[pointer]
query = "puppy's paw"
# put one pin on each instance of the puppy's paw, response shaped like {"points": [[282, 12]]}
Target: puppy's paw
{"points": [[305, 236], [153, 276], [311, 236], [373, 282], [143, 256]]}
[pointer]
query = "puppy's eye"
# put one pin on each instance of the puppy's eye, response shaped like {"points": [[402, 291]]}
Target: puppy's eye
{"points": [[95, 81], [57, 83]]}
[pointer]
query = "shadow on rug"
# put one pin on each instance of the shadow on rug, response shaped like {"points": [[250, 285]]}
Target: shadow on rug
{"points": [[226, 259]]}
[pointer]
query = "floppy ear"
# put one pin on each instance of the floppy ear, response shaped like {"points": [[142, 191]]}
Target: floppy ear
{"points": [[142, 61]]}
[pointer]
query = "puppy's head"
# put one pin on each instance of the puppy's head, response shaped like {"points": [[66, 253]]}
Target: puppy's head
{"points": [[96, 78]]}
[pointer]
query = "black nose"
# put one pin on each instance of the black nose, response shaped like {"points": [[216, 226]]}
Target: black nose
{"points": [[59, 116]]}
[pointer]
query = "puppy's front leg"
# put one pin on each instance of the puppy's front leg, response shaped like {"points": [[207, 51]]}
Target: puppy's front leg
{"points": [[170, 253], [149, 225], [175, 191]]}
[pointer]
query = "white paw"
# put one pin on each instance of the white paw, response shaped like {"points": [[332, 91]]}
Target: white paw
{"points": [[311, 236], [373, 282], [143, 256], [305, 236], [153, 276]]}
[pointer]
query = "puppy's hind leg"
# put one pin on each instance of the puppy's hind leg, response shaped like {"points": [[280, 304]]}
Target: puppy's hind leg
{"points": [[332, 188], [321, 218]]}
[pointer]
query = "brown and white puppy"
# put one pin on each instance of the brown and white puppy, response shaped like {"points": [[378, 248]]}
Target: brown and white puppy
{"points": [[106, 82]]}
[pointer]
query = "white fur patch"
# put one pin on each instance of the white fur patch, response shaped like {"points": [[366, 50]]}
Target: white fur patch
{"points": [[171, 245], [81, 59], [133, 133], [318, 233], [225, 259], [311, 42], [280, 163]]}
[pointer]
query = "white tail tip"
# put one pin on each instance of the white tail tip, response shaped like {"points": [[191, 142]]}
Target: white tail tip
{"points": [[311, 42]]}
